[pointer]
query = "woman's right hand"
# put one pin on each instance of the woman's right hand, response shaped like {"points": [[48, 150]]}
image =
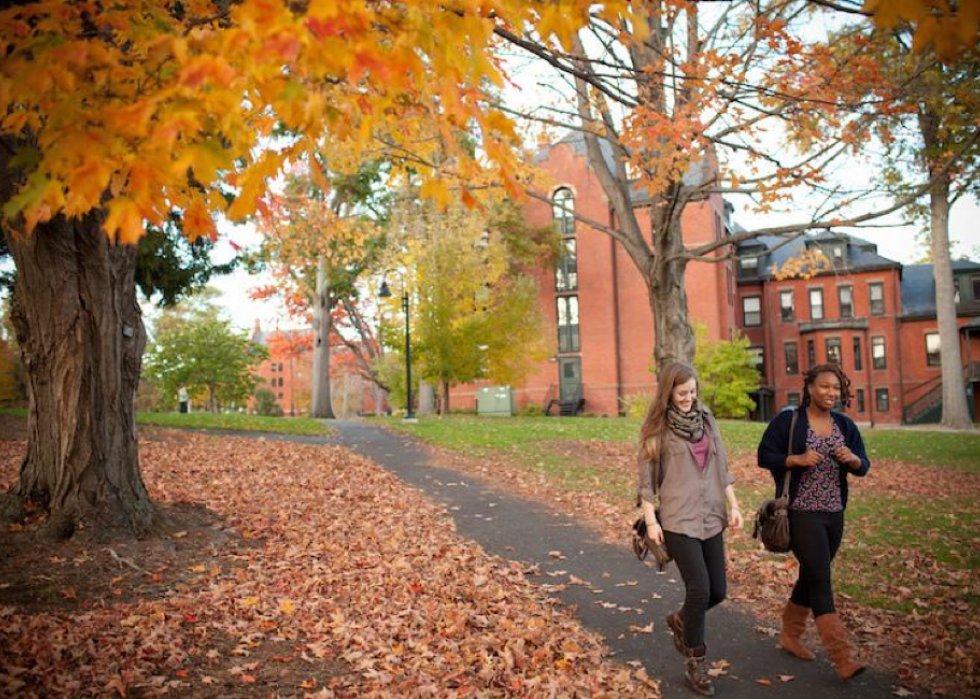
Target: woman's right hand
{"points": [[655, 533], [808, 460]]}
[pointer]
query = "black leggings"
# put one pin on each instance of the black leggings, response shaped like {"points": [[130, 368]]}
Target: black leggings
{"points": [[702, 567], [816, 536]]}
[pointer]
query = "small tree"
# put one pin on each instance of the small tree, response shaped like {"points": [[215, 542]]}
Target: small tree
{"points": [[266, 404], [727, 374], [475, 313], [204, 353]]}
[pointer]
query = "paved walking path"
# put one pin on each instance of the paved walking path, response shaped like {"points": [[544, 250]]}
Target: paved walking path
{"points": [[610, 590]]}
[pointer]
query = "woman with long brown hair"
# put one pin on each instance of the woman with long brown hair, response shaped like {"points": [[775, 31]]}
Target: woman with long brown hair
{"points": [[682, 464], [825, 448]]}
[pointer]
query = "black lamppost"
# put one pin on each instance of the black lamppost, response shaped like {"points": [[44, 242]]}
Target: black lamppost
{"points": [[385, 293]]}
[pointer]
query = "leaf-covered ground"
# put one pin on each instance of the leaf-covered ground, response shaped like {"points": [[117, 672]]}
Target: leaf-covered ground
{"points": [[299, 570], [206, 421], [906, 576]]}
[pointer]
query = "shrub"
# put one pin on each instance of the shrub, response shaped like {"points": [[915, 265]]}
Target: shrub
{"points": [[531, 410], [265, 403], [727, 373], [635, 405]]}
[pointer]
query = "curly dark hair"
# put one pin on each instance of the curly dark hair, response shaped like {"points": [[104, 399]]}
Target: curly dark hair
{"points": [[811, 375]]}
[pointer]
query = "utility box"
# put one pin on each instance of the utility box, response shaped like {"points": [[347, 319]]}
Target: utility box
{"points": [[496, 401]]}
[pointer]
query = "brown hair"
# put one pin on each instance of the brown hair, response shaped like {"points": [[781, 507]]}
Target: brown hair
{"points": [[810, 376], [672, 375]]}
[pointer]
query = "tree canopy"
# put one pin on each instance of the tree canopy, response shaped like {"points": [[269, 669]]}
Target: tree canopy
{"points": [[475, 313], [202, 352], [151, 106]]}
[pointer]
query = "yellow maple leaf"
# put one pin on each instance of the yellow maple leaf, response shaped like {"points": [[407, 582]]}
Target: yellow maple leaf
{"points": [[253, 182], [124, 222], [198, 221]]}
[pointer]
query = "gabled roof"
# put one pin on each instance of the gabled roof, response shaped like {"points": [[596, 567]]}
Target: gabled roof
{"points": [[859, 255], [919, 287], [696, 174]]}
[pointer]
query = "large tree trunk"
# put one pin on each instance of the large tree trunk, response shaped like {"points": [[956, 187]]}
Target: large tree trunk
{"points": [[956, 413], [662, 272], [322, 326], [668, 300], [81, 337]]}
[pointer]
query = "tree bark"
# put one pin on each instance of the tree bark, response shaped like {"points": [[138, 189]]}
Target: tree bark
{"points": [[956, 413], [322, 325], [658, 260], [81, 337], [444, 405], [668, 300], [427, 400]]}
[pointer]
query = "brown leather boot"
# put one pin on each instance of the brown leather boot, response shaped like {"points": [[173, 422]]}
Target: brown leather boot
{"points": [[839, 650], [694, 672], [675, 622], [794, 624]]}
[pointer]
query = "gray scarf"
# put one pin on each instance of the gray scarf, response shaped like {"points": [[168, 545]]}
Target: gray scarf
{"points": [[689, 426]]}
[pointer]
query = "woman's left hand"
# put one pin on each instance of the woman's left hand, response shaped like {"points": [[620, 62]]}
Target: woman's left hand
{"points": [[735, 520], [847, 457]]}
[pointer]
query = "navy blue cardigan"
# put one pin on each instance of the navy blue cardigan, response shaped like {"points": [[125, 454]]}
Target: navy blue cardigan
{"points": [[774, 448]]}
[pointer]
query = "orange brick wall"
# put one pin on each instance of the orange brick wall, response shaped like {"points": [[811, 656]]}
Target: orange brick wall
{"points": [[613, 297], [918, 377], [774, 333]]}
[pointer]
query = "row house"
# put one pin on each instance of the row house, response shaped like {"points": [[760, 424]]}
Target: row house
{"points": [[873, 316]]}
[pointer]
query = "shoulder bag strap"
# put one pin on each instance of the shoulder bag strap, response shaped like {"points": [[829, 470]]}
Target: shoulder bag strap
{"points": [[789, 452]]}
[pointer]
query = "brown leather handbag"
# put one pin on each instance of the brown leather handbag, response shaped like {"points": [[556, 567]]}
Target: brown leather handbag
{"points": [[772, 518]]}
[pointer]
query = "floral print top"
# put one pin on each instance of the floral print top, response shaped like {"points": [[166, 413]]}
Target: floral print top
{"points": [[820, 485]]}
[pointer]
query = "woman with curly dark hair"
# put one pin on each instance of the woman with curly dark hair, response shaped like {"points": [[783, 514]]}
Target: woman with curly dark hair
{"points": [[826, 448]]}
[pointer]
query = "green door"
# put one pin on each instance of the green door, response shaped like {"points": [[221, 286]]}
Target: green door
{"points": [[570, 378]]}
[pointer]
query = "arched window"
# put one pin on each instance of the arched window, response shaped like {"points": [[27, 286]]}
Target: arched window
{"points": [[566, 266], [564, 206]]}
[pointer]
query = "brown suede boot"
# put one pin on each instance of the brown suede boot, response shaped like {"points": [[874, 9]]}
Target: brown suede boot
{"points": [[675, 622], [694, 672], [839, 650], [794, 624]]}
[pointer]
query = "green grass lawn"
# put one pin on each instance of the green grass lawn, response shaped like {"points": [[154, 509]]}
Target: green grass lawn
{"points": [[236, 421], [475, 435], [222, 421], [883, 532]]}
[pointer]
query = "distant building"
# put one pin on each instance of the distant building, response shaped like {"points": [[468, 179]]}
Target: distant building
{"points": [[595, 301], [288, 374], [874, 316]]}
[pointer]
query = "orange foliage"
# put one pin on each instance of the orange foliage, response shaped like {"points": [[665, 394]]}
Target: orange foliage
{"points": [[806, 265], [144, 109], [950, 28]]}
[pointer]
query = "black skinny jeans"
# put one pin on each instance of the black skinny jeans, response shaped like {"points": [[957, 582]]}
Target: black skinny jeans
{"points": [[702, 567], [815, 536]]}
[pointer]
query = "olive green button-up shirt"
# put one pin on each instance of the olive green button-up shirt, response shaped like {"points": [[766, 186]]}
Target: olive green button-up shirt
{"points": [[692, 500]]}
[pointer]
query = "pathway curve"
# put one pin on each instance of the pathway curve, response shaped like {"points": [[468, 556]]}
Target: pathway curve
{"points": [[608, 588]]}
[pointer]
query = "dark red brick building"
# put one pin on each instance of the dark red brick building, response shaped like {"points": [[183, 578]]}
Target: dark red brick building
{"points": [[595, 301], [874, 315]]}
